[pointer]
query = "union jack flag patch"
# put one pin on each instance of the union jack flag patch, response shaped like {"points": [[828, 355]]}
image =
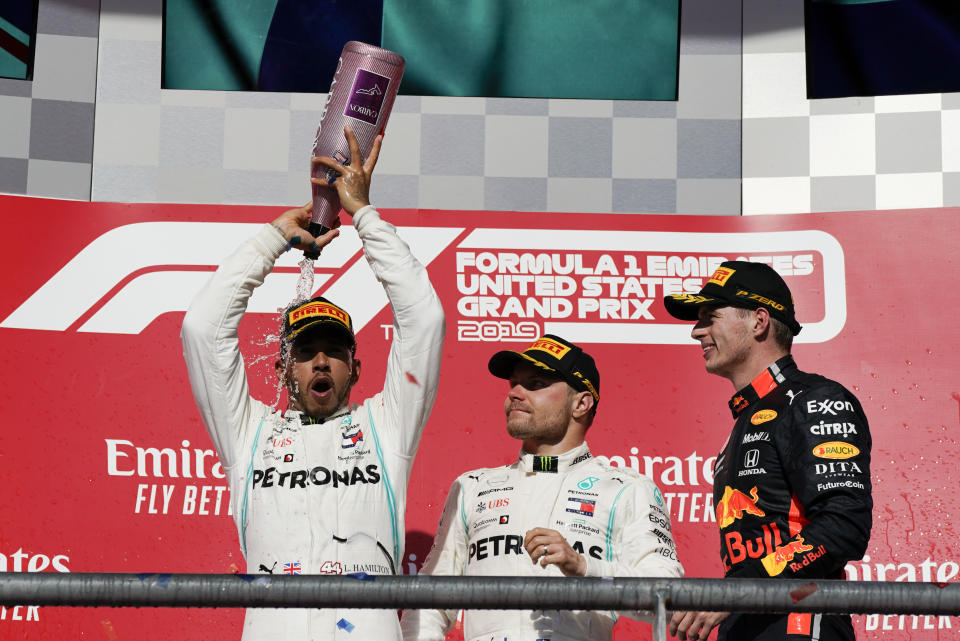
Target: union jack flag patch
{"points": [[351, 440]]}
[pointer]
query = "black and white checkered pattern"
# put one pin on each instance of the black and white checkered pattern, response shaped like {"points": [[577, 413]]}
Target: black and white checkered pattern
{"points": [[885, 152], [94, 124], [46, 132], [440, 153]]}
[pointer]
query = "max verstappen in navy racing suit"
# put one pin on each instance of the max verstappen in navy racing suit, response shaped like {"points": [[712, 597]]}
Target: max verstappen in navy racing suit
{"points": [[320, 488], [792, 484], [556, 511]]}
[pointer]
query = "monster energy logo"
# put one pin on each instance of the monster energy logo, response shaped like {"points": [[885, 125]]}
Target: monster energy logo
{"points": [[546, 464]]}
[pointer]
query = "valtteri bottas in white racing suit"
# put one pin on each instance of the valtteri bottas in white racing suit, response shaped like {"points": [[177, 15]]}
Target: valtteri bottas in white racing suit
{"points": [[614, 517]]}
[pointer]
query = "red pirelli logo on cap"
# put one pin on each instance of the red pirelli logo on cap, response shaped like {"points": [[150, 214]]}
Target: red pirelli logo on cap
{"points": [[721, 276], [314, 310], [555, 349]]}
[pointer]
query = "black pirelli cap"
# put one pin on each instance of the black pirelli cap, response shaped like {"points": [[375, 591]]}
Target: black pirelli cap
{"points": [[318, 313], [554, 354], [740, 284]]}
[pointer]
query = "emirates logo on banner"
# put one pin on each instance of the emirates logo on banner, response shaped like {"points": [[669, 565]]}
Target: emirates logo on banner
{"points": [[170, 465], [687, 479], [21, 561], [911, 569]]}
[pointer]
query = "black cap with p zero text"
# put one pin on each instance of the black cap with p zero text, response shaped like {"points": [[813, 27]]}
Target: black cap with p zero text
{"points": [[741, 284]]}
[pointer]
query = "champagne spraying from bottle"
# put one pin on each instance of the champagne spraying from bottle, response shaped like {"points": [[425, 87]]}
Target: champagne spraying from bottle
{"points": [[361, 94]]}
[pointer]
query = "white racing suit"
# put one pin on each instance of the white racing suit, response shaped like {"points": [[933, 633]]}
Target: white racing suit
{"points": [[323, 498], [614, 517]]}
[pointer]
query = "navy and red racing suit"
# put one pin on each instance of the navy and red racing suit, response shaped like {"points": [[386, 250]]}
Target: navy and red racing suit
{"points": [[792, 493]]}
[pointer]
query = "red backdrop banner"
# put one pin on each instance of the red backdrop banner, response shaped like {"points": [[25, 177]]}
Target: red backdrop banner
{"points": [[107, 467]]}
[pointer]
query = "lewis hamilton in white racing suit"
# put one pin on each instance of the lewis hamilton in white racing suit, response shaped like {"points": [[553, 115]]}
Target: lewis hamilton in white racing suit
{"points": [[318, 491], [556, 511]]}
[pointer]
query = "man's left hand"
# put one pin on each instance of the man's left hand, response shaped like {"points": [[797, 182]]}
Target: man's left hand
{"points": [[694, 626], [548, 547], [353, 180]]}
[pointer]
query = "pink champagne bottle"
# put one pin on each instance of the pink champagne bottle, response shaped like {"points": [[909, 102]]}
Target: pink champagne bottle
{"points": [[361, 95]]}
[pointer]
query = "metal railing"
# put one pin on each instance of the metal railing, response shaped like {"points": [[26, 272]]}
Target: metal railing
{"points": [[479, 593]]}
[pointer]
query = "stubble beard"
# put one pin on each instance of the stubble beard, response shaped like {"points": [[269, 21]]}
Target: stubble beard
{"points": [[301, 398], [550, 429]]}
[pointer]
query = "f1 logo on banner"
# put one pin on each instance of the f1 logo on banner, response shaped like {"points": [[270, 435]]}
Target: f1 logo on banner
{"points": [[140, 269]]}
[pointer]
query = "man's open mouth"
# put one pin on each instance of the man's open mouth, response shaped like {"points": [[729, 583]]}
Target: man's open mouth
{"points": [[321, 387]]}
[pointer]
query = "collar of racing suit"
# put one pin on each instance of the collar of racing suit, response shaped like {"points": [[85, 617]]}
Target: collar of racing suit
{"points": [[764, 383], [531, 463], [306, 419]]}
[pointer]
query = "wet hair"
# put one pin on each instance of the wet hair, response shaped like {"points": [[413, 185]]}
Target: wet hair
{"points": [[782, 334]]}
